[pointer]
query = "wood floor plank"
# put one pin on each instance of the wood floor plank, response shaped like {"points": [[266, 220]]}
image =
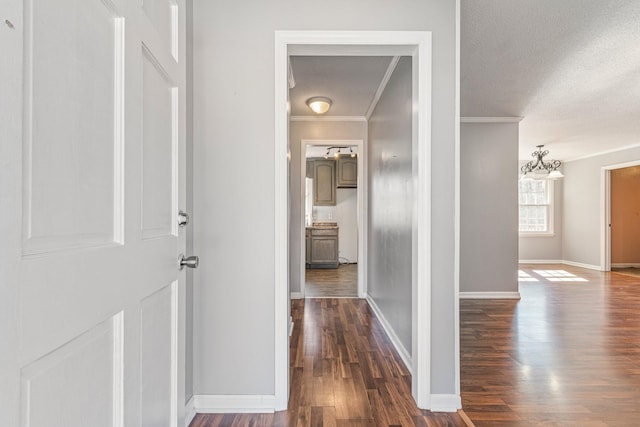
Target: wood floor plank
{"points": [[329, 282], [566, 354], [339, 376]]}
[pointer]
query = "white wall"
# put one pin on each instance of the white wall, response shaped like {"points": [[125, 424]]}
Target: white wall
{"points": [[347, 218], [582, 206], [391, 197], [234, 174], [298, 131], [488, 207], [546, 248]]}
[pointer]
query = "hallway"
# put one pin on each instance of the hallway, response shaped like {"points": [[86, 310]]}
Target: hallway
{"points": [[344, 372]]}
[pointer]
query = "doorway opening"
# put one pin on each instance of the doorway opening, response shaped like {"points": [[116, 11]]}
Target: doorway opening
{"points": [[333, 257], [619, 252], [417, 45]]}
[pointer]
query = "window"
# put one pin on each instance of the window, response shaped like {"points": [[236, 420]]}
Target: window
{"points": [[536, 210]]}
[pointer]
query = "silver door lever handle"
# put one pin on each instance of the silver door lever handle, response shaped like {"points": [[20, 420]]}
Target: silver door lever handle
{"points": [[190, 261]]}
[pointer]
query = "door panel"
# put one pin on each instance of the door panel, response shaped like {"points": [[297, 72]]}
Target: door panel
{"points": [[87, 369], [93, 168], [72, 108], [159, 150], [157, 314], [163, 15]]}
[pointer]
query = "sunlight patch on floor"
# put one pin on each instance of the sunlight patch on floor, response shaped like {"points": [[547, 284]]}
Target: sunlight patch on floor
{"points": [[559, 276], [525, 277]]}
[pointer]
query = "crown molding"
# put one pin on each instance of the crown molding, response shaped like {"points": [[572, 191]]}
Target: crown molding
{"points": [[328, 119], [602, 153], [290, 78], [382, 86], [491, 119]]}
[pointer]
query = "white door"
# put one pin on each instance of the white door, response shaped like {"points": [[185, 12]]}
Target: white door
{"points": [[91, 182]]}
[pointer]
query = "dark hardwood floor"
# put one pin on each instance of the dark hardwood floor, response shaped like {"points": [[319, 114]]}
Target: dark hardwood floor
{"points": [[332, 282], [344, 372], [566, 354]]}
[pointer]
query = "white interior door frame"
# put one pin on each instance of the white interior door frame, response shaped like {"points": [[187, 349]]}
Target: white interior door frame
{"points": [[605, 212], [361, 206], [416, 44]]}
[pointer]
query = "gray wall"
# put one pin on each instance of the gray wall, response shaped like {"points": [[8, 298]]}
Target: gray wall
{"points": [[189, 207], [581, 206], [488, 207], [297, 132], [391, 196], [234, 177], [546, 247]]}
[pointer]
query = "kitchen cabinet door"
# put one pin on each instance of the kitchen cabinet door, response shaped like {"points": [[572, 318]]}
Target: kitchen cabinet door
{"points": [[347, 172], [324, 183]]}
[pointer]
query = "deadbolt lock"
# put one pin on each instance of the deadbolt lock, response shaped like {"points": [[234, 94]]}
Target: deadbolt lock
{"points": [[183, 218]]}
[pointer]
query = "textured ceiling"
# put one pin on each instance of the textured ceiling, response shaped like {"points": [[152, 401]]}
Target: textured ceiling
{"points": [[571, 68], [350, 81]]}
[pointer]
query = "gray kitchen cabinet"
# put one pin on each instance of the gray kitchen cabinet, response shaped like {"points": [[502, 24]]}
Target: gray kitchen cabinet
{"points": [[309, 172], [322, 247], [308, 247], [347, 172], [324, 183]]}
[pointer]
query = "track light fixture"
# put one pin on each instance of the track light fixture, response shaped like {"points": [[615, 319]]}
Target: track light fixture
{"points": [[338, 151]]}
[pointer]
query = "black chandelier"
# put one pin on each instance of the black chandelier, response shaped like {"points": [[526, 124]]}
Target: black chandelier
{"points": [[538, 168]]}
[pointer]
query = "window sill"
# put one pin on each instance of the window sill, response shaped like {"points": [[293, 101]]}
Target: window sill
{"points": [[548, 234]]}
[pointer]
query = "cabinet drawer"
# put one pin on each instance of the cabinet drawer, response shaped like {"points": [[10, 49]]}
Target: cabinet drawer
{"points": [[324, 232]]}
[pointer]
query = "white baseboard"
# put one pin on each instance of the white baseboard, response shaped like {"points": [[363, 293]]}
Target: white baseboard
{"points": [[581, 265], [189, 412], [445, 403], [563, 261], [402, 351], [540, 261], [624, 265], [242, 404], [296, 295], [489, 295]]}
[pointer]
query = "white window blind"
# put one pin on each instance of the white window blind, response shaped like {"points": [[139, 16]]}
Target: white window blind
{"points": [[534, 198]]}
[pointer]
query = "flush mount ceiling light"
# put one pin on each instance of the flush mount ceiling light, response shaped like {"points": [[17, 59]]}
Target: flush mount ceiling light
{"points": [[319, 104], [539, 169]]}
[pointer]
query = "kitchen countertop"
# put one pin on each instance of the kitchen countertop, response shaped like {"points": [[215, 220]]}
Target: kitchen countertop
{"points": [[323, 225]]}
